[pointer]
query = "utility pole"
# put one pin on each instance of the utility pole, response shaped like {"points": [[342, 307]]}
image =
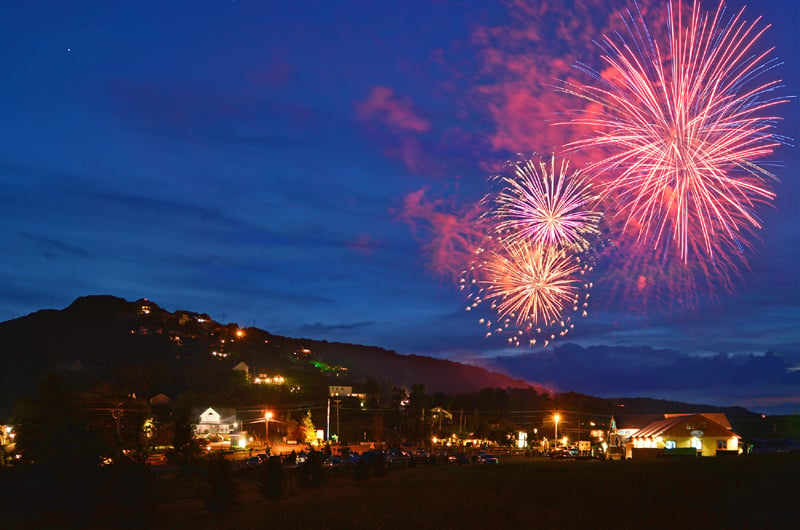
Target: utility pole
{"points": [[116, 413], [338, 402], [328, 421]]}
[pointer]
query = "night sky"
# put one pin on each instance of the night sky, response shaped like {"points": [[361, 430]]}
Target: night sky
{"points": [[289, 165]]}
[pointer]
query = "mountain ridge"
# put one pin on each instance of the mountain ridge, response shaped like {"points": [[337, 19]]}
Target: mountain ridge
{"points": [[103, 341], [104, 332]]}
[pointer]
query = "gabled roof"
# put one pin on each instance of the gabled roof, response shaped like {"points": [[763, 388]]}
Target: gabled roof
{"points": [[718, 417], [660, 427], [160, 399], [224, 414]]}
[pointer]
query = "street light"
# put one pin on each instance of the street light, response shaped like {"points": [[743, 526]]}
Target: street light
{"points": [[267, 417], [556, 419]]}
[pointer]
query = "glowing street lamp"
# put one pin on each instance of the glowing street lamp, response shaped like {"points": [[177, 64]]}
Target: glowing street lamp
{"points": [[556, 418], [267, 417]]}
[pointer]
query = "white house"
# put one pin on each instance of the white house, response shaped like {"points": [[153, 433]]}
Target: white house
{"points": [[221, 423]]}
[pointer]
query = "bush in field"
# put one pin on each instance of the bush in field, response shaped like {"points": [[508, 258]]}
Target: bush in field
{"points": [[221, 492], [271, 478], [311, 472], [371, 464]]}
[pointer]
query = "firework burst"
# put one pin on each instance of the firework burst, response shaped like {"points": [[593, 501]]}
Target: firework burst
{"points": [[530, 270], [681, 130], [534, 283], [547, 205], [533, 289]]}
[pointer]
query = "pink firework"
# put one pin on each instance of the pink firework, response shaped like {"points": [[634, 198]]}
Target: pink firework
{"points": [[681, 130], [546, 205]]}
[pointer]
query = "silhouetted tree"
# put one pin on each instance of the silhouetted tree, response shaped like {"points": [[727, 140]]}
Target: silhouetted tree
{"points": [[311, 472], [51, 431], [270, 478], [377, 427], [185, 449], [221, 493]]}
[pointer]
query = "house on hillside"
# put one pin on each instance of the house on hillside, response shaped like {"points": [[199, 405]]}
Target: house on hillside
{"points": [[160, 400], [242, 367], [704, 434], [221, 422], [341, 391]]}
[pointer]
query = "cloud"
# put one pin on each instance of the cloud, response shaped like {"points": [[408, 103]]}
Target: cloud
{"points": [[277, 71], [614, 371], [319, 329], [524, 61], [384, 107], [215, 117], [50, 245], [393, 121], [363, 244], [450, 235]]}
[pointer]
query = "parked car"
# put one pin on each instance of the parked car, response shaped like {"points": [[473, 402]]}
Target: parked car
{"points": [[370, 464], [333, 463], [397, 457], [563, 453], [776, 446], [486, 458], [421, 456], [352, 459], [462, 459], [252, 462]]}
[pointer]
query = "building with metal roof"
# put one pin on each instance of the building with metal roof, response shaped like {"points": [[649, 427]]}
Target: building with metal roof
{"points": [[700, 433]]}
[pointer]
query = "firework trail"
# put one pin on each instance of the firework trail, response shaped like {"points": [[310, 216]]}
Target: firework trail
{"points": [[681, 130], [546, 205]]}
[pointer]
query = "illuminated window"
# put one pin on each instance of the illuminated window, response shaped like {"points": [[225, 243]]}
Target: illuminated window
{"points": [[671, 444], [697, 443]]}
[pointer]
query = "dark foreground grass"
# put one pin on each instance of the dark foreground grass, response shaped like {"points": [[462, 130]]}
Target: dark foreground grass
{"points": [[742, 492]]}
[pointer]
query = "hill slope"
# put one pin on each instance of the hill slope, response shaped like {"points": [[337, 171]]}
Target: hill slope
{"points": [[142, 348]]}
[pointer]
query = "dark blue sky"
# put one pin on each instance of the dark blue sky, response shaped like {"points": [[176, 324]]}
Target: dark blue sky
{"points": [[260, 161]]}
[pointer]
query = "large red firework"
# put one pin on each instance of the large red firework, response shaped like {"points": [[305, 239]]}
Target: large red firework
{"points": [[684, 129]]}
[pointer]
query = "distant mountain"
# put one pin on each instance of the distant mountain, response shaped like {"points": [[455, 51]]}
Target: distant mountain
{"points": [[141, 348]]}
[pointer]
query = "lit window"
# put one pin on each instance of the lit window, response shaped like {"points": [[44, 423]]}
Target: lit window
{"points": [[671, 444], [697, 443]]}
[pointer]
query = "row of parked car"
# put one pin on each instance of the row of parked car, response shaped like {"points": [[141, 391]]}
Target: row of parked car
{"points": [[392, 457]]}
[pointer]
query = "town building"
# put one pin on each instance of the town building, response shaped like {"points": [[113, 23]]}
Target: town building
{"points": [[703, 434]]}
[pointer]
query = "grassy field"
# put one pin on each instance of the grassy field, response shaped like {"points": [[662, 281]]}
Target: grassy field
{"points": [[736, 492]]}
